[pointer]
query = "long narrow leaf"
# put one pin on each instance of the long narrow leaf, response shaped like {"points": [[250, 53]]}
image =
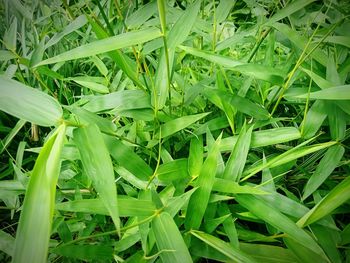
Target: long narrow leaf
{"points": [[169, 240], [39, 203], [98, 166], [336, 197], [105, 45], [278, 220], [28, 104]]}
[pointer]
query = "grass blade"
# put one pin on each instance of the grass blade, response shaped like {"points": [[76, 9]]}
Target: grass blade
{"points": [[32, 105], [39, 203], [105, 45], [169, 241], [98, 166]]}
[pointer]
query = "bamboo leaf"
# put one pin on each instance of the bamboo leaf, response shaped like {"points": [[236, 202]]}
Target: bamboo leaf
{"points": [[178, 124], [291, 8], [286, 157], [105, 45], [77, 23], [7, 243], [223, 247], [258, 71], [279, 221], [264, 138], [98, 166], [32, 105], [39, 203], [127, 206], [176, 36], [128, 159], [169, 240], [326, 166], [86, 252], [332, 93], [241, 104], [336, 197], [199, 200], [238, 157], [120, 100]]}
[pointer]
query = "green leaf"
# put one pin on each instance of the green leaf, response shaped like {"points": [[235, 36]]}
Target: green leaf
{"points": [[124, 62], [7, 243], [258, 71], [264, 138], [275, 218], [326, 166], [77, 23], [267, 253], [86, 252], [120, 100], [98, 166], [301, 41], [238, 157], [195, 158], [92, 85], [178, 124], [127, 158], [200, 199], [314, 119], [335, 198], [332, 93], [169, 241], [176, 36], [228, 186], [86, 117], [291, 8], [141, 15], [223, 247], [105, 45], [6, 55], [10, 36], [33, 105], [241, 104], [286, 157], [127, 206], [39, 203]]}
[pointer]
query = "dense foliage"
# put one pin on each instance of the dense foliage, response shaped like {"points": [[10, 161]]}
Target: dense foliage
{"points": [[174, 131]]}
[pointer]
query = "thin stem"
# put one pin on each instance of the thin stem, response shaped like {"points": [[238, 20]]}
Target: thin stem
{"points": [[301, 60]]}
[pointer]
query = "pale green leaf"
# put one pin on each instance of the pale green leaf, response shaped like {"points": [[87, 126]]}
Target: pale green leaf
{"points": [[39, 203], [105, 45], [28, 103]]}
